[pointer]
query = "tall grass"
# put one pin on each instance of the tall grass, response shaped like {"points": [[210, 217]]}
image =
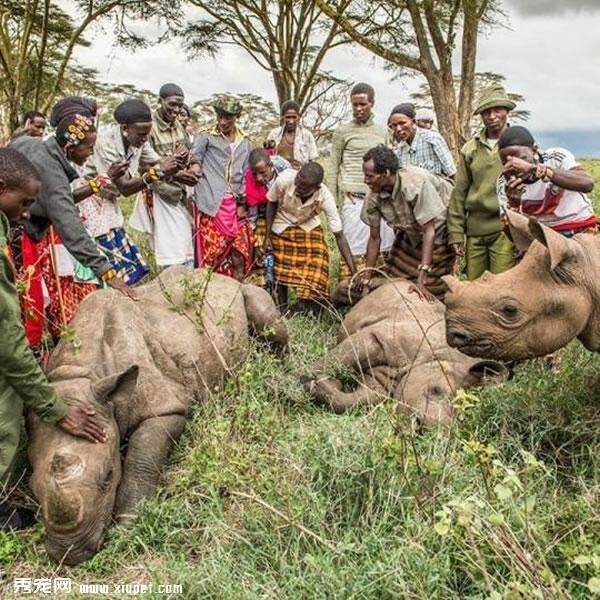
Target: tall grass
{"points": [[268, 496]]}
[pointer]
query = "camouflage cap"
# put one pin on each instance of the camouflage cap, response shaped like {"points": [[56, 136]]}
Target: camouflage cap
{"points": [[228, 105], [494, 97]]}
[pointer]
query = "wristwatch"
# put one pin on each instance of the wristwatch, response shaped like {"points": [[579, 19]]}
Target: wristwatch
{"points": [[426, 268]]}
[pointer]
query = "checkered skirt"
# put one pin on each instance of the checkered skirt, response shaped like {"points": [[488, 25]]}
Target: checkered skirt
{"points": [[302, 262]]}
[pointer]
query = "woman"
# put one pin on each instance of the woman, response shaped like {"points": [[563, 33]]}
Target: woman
{"points": [[54, 237], [122, 143]]}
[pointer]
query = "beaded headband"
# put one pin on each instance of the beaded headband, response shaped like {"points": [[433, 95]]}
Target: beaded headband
{"points": [[76, 131]]}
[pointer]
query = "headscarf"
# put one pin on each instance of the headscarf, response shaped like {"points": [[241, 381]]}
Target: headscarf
{"points": [[424, 114], [132, 111], [406, 108], [170, 89], [71, 106]]}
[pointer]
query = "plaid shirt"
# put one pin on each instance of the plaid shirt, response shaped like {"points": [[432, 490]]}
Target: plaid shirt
{"points": [[428, 151]]}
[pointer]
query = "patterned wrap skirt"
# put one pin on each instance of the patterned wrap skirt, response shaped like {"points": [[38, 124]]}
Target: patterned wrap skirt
{"points": [[302, 262], [124, 256], [49, 299], [405, 257], [215, 249]]}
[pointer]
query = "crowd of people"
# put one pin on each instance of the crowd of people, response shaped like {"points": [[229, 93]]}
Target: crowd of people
{"points": [[394, 200]]}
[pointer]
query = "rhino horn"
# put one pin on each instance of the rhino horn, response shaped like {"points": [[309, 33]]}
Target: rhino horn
{"points": [[451, 281], [63, 508]]}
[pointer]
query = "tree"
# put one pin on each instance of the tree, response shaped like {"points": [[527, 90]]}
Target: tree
{"points": [[37, 41], [422, 97], [258, 116], [287, 38], [420, 35]]}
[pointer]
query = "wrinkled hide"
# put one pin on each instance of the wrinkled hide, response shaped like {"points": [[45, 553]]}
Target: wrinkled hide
{"points": [[142, 365], [396, 344], [535, 308]]}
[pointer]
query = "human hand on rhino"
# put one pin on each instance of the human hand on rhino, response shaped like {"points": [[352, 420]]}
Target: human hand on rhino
{"points": [[81, 421]]}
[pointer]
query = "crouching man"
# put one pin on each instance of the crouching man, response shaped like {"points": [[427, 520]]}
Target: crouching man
{"points": [[414, 202], [22, 382], [296, 238]]}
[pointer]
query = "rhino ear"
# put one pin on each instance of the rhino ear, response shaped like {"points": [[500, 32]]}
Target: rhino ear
{"points": [[487, 371], [519, 230], [559, 247], [103, 388]]}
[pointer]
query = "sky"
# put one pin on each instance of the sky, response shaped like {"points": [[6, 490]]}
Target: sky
{"points": [[547, 49]]}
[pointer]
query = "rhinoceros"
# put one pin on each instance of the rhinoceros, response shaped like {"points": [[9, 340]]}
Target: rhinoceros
{"points": [[396, 343], [142, 365], [551, 297]]}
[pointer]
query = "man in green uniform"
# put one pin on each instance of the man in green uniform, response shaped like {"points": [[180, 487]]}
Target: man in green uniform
{"points": [[474, 226], [22, 382]]}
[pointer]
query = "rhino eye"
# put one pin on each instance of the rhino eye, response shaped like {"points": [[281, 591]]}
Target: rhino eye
{"points": [[510, 311]]}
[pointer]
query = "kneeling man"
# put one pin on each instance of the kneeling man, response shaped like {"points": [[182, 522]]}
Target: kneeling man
{"points": [[296, 238], [414, 202]]}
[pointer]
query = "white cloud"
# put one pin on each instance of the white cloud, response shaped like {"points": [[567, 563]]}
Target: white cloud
{"points": [[549, 59]]}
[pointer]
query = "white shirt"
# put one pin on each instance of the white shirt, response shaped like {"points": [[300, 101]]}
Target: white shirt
{"points": [[305, 147], [551, 205]]}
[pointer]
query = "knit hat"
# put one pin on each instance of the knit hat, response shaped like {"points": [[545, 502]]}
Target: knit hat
{"points": [[516, 136], [494, 97], [424, 114], [170, 89], [228, 105], [406, 108], [132, 111]]}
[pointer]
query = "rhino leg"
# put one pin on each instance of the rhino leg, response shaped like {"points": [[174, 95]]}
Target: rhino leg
{"points": [[147, 453], [328, 391], [264, 318], [360, 351]]}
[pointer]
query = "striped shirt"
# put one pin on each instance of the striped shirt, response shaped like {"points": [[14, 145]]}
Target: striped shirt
{"points": [[428, 151], [164, 140], [350, 143], [555, 207]]}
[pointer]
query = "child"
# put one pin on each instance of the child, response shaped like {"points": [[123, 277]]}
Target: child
{"points": [[22, 382]]}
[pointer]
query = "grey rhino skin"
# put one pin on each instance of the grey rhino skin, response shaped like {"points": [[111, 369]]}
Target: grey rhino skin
{"points": [[396, 343], [549, 298], [142, 365]]}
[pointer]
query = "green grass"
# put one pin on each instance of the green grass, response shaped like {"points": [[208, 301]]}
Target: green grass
{"points": [[268, 496]]}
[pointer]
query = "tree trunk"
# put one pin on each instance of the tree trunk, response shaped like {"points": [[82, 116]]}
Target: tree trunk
{"points": [[444, 104], [468, 64]]}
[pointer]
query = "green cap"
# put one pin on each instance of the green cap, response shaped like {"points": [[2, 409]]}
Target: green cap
{"points": [[494, 97], [228, 105]]}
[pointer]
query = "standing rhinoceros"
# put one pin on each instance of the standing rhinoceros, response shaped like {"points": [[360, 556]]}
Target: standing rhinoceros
{"points": [[142, 365], [535, 308], [397, 344]]}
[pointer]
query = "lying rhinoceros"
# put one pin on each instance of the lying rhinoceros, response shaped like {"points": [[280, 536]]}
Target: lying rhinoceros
{"points": [[142, 365], [535, 308], [397, 344]]}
